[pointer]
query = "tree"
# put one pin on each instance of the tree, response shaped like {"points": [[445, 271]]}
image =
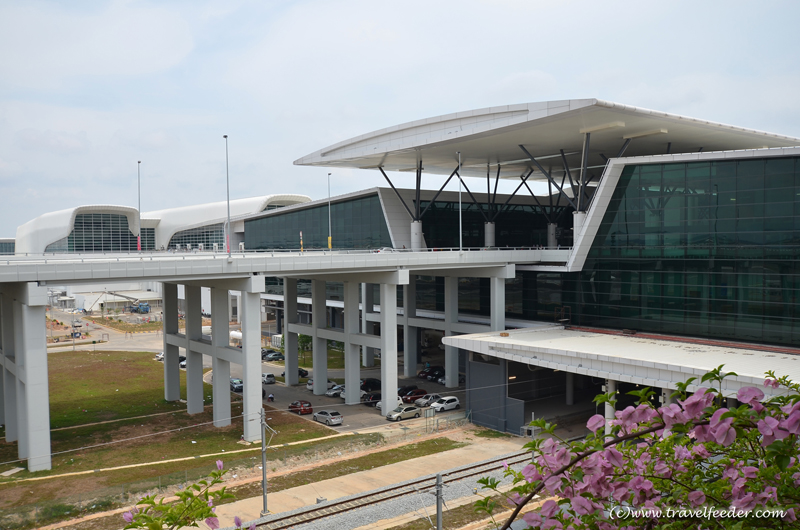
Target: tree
{"points": [[690, 464], [195, 503], [304, 342]]}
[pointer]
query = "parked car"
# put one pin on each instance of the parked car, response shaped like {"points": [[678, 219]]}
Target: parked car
{"points": [[328, 417], [398, 403], [267, 379], [159, 357], [274, 356], [403, 412], [423, 374], [361, 395], [300, 372], [182, 361], [443, 380], [446, 403], [236, 385], [310, 384], [427, 400], [371, 399], [436, 374], [403, 390], [371, 385], [301, 407], [336, 391], [412, 396]]}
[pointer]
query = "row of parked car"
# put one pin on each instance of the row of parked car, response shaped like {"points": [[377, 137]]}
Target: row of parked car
{"points": [[438, 375]]}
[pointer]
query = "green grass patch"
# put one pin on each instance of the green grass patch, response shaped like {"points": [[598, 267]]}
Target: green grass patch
{"points": [[489, 433], [457, 517], [117, 324]]}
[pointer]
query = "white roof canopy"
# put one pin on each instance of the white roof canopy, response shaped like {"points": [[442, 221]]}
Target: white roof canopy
{"points": [[492, 136]]}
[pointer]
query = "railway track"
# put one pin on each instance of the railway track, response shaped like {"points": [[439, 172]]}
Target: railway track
{"points": [[312, 514]]}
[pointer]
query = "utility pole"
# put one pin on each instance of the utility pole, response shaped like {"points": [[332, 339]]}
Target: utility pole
{"points": [[439, 501]]}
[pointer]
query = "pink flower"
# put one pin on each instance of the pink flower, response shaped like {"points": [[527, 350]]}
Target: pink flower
{"points": [[595, 422], [790, 517], [697, 402], [697, 498], [219, 465], [237, 521], [252, 526], [549, 508], [213, 523], [533, 519], [128, 516], [749, 393], [583, 506]]}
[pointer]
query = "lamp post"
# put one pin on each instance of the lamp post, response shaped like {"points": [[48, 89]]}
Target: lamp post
{"points": [[329, 211], [460, 229], [228, 187], [139, 181]]}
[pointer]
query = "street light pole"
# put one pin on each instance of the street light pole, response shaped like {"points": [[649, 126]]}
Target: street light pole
{"points": [[329, 211], [228, 187], [460, 228], [139, 180]]}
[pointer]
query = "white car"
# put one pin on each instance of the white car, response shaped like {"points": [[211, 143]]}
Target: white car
{"points": [[328, 417], [267, 379], [310, 384], [336, 391], [446, 403], [160, 357], [426, 400], [399, 403], [361, 394]]}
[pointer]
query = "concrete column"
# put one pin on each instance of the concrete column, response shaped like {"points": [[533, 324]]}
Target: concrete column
{"points": [[34, 407], [221, 369], [450, 318], [488, 235], [251, 363], [570, 388], [666, 397], [388, 346], [577, 224], [352, 362], [552, 242], [416, 235], [367, 307], [172, 373], [611, 387], [9, 379], [319, 348], [194, 359], [290, 338], [497, 304], [238, 307], [410, 332]]}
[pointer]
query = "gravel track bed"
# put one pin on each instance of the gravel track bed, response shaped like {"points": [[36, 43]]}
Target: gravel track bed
{"points": [[422, 502]]}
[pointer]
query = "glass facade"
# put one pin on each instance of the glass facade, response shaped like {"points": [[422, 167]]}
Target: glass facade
{"points": [[102, 232], [357, 223], [207, 235], [7, 247], [520, 225]]}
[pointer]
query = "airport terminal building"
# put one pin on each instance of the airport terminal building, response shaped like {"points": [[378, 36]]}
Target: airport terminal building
{"points": [[664, 247]]}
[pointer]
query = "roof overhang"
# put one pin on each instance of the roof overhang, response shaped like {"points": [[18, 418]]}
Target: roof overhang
{"points": [[490, 137]]}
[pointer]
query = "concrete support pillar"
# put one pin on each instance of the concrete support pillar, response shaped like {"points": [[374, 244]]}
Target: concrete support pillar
{"points": [[290, 338], [666, 397], [488, 235], [450, 318], [577, 224], [388, 347], [497, 304], [570, 388], [251, 363], [194, 359], [611, 388], [352, 362], [731, 402], [416, 235], [172, 371], [368, 307], [319, 346], [410, 332], [552, 242], [239, 308], [221, 369]]}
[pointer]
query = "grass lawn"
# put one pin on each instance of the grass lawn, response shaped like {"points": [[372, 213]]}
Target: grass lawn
{"points": [[335, 359], [459, 516], [115, 323]]}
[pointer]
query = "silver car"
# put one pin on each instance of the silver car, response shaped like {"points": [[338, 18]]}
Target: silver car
{"points": [[403, 412], [426, 400], [328, 417]]}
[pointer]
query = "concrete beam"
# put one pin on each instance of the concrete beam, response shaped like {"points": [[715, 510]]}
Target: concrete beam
{"points": [[397, 277], [502, 271]]}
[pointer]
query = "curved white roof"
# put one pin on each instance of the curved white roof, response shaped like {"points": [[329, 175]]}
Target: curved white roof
{"points": [[176, 219], [492, 136], [34, 236]]}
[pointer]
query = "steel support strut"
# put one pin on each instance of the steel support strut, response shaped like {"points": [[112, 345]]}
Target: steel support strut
{"points": [[438, 193], [474, 200], [398, 195], [546, 174]]}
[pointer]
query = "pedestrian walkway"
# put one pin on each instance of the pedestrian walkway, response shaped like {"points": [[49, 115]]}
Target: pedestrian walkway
{"points": [[364, 481]]}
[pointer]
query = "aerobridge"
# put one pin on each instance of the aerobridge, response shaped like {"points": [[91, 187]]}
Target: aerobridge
{"points": [[23, 299]]}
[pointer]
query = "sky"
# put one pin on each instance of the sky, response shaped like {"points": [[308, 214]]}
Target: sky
{"points": [[87, 89]]}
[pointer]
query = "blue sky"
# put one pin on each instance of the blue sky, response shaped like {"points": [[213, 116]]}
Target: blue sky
{"points": [[89, 88]]}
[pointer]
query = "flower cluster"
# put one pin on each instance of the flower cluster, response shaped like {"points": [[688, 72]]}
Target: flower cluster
{"points": [[684, 455]]}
